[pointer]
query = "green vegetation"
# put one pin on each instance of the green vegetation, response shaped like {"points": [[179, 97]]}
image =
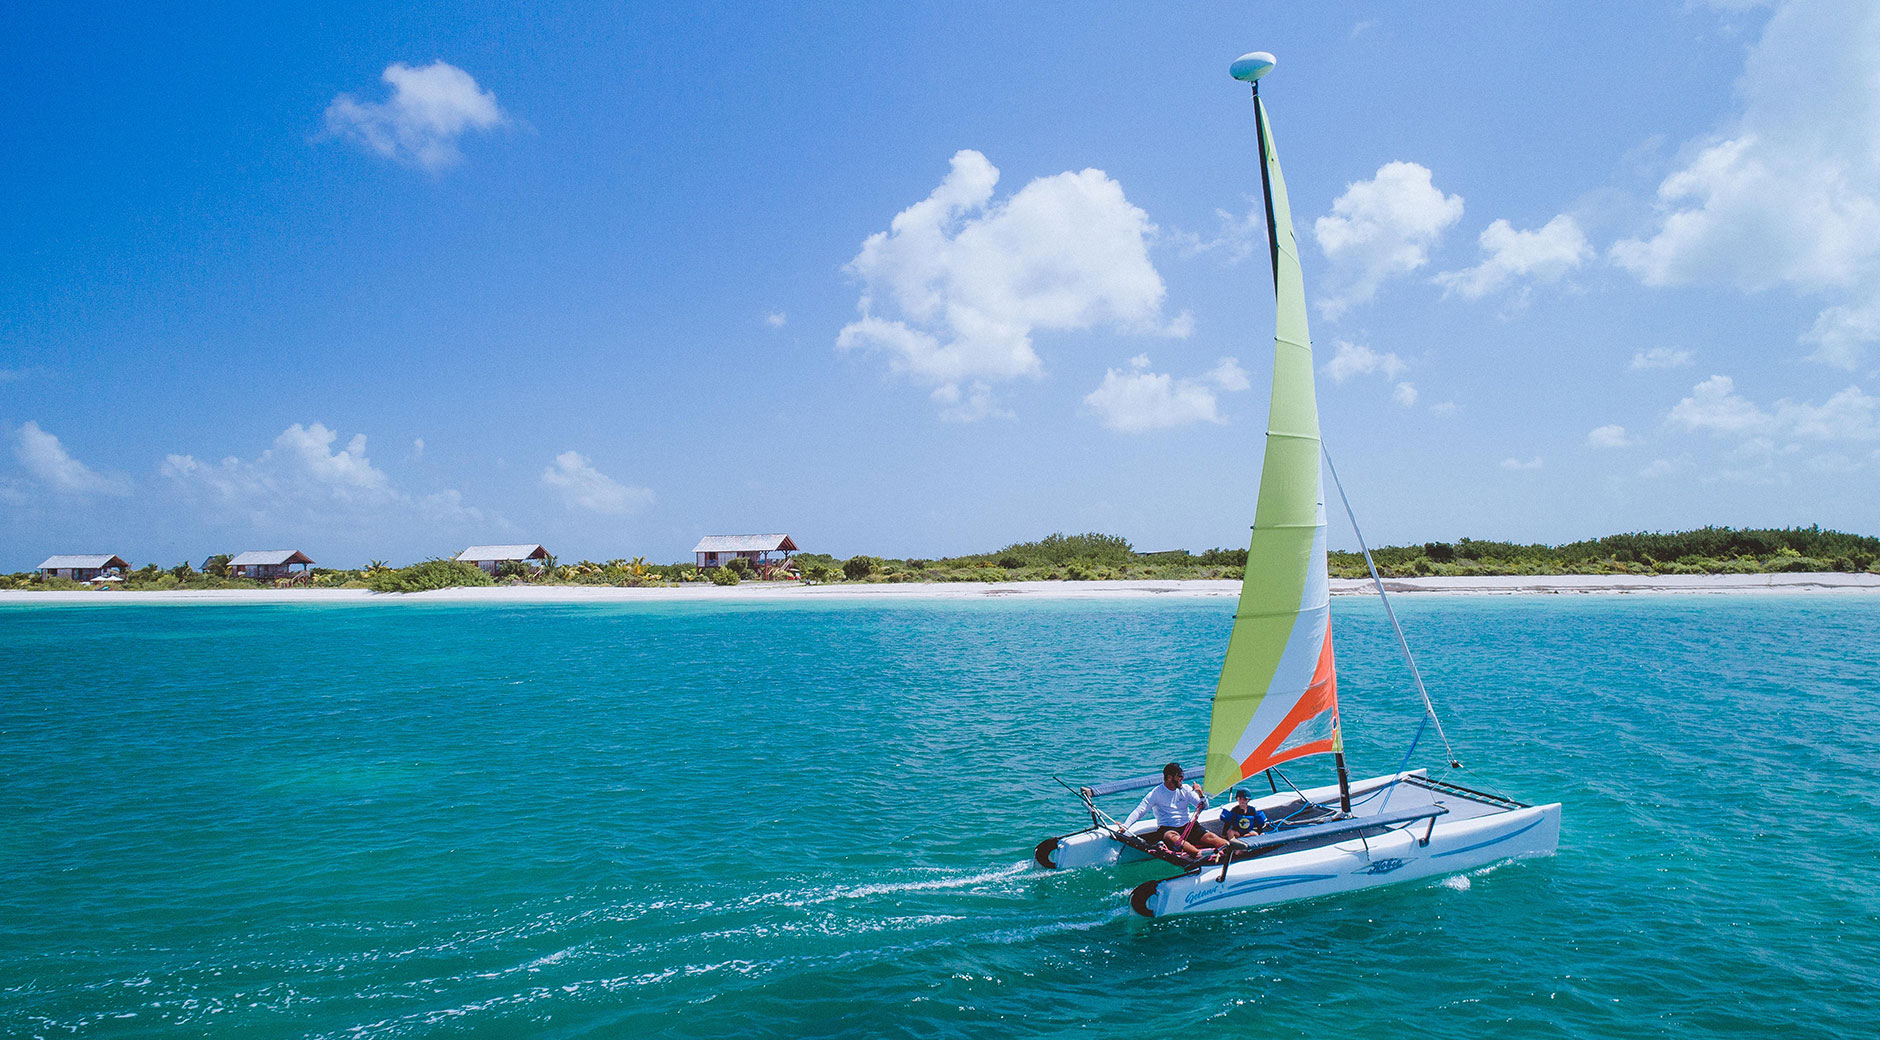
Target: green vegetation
{"points": [[1709, 550], [1093, 557], [213, 575], [1100, 557], [1061, 557], [817, 566], [429, 575]]}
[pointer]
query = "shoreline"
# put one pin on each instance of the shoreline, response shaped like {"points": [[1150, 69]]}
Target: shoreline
{"points": [[757, 592]]}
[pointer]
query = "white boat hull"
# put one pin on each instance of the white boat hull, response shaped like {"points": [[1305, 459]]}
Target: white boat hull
{"points": [[1463, 830], [1397, 856]]}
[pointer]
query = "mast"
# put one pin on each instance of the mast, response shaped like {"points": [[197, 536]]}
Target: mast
{"points": [[1278, 695], [1268, 162]]}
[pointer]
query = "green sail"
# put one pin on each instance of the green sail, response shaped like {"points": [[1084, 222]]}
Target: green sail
{"points": [[1277, 700]]}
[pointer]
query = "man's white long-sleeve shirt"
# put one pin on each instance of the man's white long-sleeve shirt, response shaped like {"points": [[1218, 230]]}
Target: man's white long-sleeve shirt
{"points": [[1171, 808]]}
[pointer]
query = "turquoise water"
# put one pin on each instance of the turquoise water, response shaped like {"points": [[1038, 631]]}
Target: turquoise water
{"points": [[815, 820]]}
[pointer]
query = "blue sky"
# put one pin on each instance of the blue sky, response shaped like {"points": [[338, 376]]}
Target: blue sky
{"points": [[381, 281]]}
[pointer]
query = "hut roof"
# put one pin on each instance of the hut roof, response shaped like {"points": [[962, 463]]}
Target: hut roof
{"points": [[499, 553], [265, 557], [745, 543], [61, 563]]}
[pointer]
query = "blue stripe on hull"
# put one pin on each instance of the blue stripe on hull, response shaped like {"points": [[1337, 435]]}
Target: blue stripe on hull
{"points": [[1195, 899], [1492, 841]]}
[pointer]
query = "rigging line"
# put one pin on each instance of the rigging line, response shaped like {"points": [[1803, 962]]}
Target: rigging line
{"points": [[1097, 816], [1404, 644], [1304, 802], [1422, 725]]}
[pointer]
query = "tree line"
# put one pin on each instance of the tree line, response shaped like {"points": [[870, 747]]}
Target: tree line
{"points": [[1096, 557]]}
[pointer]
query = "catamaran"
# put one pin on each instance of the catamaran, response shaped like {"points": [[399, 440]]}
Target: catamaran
{"points": [[1277, 700]]}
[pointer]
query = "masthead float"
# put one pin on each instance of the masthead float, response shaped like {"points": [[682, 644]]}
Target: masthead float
{"points": [[1248, 68], [1277, 699]]}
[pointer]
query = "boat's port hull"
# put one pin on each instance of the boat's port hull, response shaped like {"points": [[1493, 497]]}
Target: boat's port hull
{"points": [[1452, 847]]}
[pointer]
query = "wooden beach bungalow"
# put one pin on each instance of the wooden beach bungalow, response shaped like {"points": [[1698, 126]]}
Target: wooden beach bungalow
{"points": [[489, 557], [716, 550], [268, 564], [84, 568]]}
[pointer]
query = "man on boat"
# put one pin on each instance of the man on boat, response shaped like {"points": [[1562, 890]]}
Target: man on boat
{"points": [[1175, 808]]}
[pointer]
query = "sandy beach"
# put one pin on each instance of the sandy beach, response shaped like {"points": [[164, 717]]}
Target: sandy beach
{"points": [[1511, 585]]}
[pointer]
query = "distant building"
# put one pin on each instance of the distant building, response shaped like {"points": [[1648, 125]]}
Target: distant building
{"points": [[268, 564], [84, 568], [716, 550], [488, 556]]}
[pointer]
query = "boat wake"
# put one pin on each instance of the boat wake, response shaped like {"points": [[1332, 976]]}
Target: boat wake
{"points": [[945, 881], [1461, 882], [800, 936]]}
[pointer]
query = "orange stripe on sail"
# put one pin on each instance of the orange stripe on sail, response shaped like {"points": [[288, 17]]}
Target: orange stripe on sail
{"points": [[1320, 697]]}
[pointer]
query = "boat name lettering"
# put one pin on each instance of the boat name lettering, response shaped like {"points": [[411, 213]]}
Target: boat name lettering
{"points": [[1382, 866]]}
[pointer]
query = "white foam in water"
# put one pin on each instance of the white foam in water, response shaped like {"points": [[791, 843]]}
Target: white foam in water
{"points": [[1013, 935], [553, 958], [935, 885], [806, 897], [1461, 882]]}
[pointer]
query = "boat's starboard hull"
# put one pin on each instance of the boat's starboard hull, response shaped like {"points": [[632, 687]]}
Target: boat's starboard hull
{"points": [[1401, 855]]}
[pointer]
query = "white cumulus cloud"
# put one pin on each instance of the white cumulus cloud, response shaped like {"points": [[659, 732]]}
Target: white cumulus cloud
{"points": [[1661, 357], [1228, 375], [1138, 400], [1234, 239], [1545, 254], [1380, 229], [1405, 394], [1612, 436], [1787, 195], [49, 463], [970, 404], [583, 487], [1521, 464], [1715, 407], [1849, 415], [429, 108], [954, 291], [1352, 359], [301, 481]]}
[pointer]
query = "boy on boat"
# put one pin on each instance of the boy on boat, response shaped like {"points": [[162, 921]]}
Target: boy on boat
{"points": [[1241, 819], [1175, 807]]}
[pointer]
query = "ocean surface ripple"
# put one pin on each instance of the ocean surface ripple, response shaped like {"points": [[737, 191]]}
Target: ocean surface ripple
{"points": [[679, 820]]}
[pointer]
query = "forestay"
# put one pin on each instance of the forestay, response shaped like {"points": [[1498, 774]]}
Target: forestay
{"points": [[1278, 695]]}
